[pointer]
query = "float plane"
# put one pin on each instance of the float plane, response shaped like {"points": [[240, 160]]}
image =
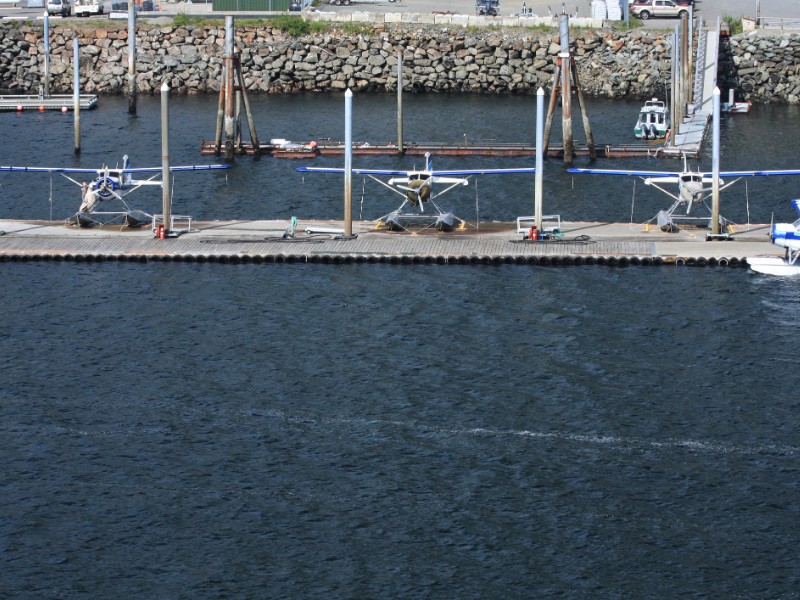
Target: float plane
{"points": [[694, 188], [110, 183], [417, 188], [785, 235]]}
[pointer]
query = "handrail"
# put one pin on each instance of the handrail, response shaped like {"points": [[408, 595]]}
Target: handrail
{"points": [[779, 22]]}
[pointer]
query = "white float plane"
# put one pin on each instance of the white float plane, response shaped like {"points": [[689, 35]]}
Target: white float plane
{"points": [[417, 187], [785, 235], [110, 183], [694, 188]]}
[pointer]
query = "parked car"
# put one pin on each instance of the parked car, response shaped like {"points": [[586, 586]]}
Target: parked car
{"points": [[659, 8], [59, 7], [147, 5], [84, 8]]}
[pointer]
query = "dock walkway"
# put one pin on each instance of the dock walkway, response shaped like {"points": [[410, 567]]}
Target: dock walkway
{"points": [[688, 140], [494, 243]]}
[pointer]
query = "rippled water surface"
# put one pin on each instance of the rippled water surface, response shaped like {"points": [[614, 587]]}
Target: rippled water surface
{"points": [[179, 430], [377, 431], [271, 188]]}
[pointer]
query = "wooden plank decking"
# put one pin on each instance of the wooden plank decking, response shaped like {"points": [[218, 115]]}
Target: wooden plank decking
{"points": [[262, 241]]}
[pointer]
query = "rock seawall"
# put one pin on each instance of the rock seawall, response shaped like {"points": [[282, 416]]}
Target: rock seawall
{"points": [[518, 61]]}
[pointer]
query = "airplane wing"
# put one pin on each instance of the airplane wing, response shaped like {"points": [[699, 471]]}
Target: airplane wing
{"points": [[46, 170], [356, 171], [622, 172], [482, 172], [754, 173], [671, 176], [178, 168], [115, 169], [413, 171]]}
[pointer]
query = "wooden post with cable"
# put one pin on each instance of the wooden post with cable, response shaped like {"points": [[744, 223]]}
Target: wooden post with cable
{"points": [[232, 96], [565, 78]]}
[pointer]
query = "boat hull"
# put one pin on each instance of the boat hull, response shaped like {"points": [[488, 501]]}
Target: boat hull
{"points": [[773, 266]]}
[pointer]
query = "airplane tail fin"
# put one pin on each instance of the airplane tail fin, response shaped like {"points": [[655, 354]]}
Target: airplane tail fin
{"points": [[796, 205]]}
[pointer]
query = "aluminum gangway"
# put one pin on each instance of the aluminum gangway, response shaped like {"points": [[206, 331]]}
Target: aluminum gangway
{"points": [[688, 139]]}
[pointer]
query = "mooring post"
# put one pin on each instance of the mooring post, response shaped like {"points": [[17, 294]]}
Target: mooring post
{"points": [[551, 109], [400, 147], [715, 165], [686, 80], [131, 59], [539, 158], [166, 191], [348, 163], [220, 116], [587, 128], [76, 92], [228, 74], [251, 124], [46, 55], [566, 90]]}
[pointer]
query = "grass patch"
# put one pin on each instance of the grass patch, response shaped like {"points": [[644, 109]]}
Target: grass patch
{"points": [[184, 20], [632, 24], [734, 24], [351, 28], [296, 26]]}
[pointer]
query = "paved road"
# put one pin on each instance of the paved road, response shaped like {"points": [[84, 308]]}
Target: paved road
{"points": [[709, 10]]}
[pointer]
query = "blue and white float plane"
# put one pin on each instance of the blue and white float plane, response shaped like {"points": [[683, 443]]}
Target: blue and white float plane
{"points": [[785, 235], [694, 187], [416, 188], [110, 183]]}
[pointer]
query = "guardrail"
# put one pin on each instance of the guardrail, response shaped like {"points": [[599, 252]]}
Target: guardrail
{"points": [[447, 19], [779, 23]]}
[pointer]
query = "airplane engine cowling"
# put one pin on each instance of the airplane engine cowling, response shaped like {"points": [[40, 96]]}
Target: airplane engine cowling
{"points": [[419, 192], [104, 186]]}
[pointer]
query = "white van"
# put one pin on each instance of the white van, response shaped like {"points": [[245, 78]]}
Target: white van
{"points": [[84, 8]]}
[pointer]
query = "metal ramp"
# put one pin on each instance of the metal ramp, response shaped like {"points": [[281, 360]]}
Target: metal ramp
{"points": [[688, 140]]}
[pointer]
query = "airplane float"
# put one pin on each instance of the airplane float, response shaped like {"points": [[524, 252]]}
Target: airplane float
{"points": [[417, 188], [110, 183], [785, 235], [694, 188]]}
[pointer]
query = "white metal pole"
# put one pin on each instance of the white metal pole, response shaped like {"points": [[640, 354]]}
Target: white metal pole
{"points": [[46, 55], [715, 166], [166, 192], [76, 92], [400, 102], [348, 163], [539, 158]]}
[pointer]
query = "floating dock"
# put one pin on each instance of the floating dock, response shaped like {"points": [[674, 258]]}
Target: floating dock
{"points": [[324, 147], [493, 243], [61, 102]]}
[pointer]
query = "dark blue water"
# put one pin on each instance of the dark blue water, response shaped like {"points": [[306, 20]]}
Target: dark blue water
{"points": [[375, 431], [270, 188]]}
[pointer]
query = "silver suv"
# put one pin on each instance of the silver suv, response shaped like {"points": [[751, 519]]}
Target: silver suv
{"points": [[59, 7], [658, 8]]}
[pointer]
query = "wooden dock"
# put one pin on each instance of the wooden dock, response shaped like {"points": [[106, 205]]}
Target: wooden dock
{"points": [[612, 244], [322, 147], [61, 102]]}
